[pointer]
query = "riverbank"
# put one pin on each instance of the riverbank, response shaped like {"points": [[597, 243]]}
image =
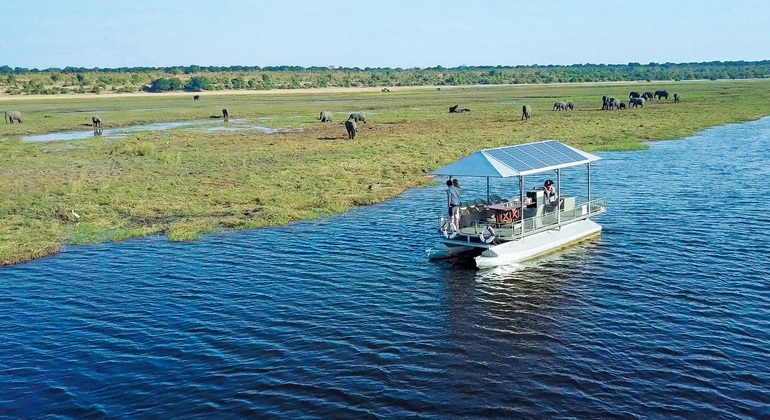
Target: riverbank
{"points": [[183, 183]]}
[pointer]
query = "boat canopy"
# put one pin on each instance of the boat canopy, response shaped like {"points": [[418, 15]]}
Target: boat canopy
{"points": [[519, 160]]}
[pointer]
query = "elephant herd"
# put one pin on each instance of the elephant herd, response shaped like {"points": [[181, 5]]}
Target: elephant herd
{"points": [[637, 100], [563, 106], [351, 125]]}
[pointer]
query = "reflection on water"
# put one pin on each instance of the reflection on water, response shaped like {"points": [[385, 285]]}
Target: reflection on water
{"points": [[121, 132]]}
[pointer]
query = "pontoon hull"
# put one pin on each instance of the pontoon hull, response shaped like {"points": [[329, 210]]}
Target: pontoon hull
{"points": [[442, 250], [537, 244]]}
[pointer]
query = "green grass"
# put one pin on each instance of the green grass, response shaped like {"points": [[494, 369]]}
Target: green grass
{"points": [[184, 183]]}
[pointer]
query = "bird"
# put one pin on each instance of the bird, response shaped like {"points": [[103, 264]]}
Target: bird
{"points": [[75, 215]]}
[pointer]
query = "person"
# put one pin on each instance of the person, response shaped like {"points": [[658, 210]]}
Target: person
{"points": [[550, 193], [453, 202]]}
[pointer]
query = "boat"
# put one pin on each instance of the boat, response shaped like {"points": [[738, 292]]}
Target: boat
{"points": [[498, 231]]}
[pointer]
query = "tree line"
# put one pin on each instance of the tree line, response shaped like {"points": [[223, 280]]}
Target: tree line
{"points": [[194, 78]]}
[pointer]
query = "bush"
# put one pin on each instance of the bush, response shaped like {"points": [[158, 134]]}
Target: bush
{"points": [[165, 84], [198, 83]]}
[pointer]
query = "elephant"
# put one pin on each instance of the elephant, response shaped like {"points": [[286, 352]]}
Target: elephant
{"points": [[350, 125], [622, 105], [636, 102], [610, 103], [97, 122], [677, 98], [570, 105], [196, 97], [385, 89], [358, 117], [225, 114], [634, 94], [559, 106], [326, 116], [647, 96], [13, 116], [526, 112], [661, 94], [456, 109]]}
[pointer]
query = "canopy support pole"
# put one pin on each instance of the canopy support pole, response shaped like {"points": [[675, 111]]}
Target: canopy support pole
{"points": [[558, 196], [589, 181]]}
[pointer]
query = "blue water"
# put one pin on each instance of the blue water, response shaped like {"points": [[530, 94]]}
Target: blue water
{"points": [[666, 315], [123, 132]]}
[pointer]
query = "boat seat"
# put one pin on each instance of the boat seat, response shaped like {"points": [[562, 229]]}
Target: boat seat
{"points": [[567, 203], [495, 198]]}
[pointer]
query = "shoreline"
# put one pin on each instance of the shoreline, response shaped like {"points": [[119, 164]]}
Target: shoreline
{"points": [[185, 184]]}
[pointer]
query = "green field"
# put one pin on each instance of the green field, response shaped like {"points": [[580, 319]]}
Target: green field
{"points": [[186, 182]]}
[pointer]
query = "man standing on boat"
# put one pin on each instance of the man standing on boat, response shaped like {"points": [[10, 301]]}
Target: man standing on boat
{"points": [[550, 192], [453, 203]]}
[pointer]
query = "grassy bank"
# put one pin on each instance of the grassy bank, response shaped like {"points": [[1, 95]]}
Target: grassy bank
{"points": [[186, 182]]}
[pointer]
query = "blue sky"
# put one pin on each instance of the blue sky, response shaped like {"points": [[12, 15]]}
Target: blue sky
{"points": [[394, 33]]}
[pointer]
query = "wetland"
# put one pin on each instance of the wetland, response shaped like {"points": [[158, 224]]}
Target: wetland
{"points": [[286, 166]]}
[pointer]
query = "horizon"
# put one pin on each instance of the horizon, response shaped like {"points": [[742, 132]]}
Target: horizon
{"points": [[396, 34], [388, 68]]}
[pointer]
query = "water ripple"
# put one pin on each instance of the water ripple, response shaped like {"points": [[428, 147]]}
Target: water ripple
{"points": [[665, 315]]}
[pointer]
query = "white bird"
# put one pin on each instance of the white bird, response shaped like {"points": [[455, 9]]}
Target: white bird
{"points": [[75, 215]]}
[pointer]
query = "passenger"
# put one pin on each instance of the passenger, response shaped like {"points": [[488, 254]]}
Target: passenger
{"points": [[550, 192], [453, 193]]}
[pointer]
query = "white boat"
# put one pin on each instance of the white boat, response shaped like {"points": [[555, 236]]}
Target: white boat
{"points": [[500, 231]]}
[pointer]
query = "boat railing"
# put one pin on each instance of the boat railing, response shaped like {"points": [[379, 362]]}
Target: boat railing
{"points": [[475, 219]]}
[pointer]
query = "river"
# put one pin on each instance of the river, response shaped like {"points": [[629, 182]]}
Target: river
{"points": [[667, 314]]}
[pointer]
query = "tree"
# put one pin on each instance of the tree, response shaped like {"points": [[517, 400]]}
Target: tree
{"points": [[165, 85], [198, 83]]}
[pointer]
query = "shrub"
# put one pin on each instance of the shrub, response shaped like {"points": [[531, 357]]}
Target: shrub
{"points": [[165, 84], [198, 83]]}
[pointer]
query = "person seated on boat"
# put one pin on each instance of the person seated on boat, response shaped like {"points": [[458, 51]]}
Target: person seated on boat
{"points": [[550, 192], [453, 202]]}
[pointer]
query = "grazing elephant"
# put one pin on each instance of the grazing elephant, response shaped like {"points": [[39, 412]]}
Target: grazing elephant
{"points": [[676, 97], [326, 116], [97, 122], [559, 106], [225, 114], [13, 116], [570, 105], [358, 117], [456, 109], [634, 94], [622, 105], [647, 96], [196, 97], [615, 103], [661, 94], [636, 102], [350, 125], [526, 112]]}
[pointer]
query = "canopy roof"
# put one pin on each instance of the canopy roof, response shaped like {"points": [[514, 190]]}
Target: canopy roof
{"points": [[519, 160]]}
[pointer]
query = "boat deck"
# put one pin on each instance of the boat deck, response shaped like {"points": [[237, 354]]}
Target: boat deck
{"points": [[476, 216]]}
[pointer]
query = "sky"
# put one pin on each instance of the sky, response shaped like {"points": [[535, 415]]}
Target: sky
{"points": [[373, 33]]}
